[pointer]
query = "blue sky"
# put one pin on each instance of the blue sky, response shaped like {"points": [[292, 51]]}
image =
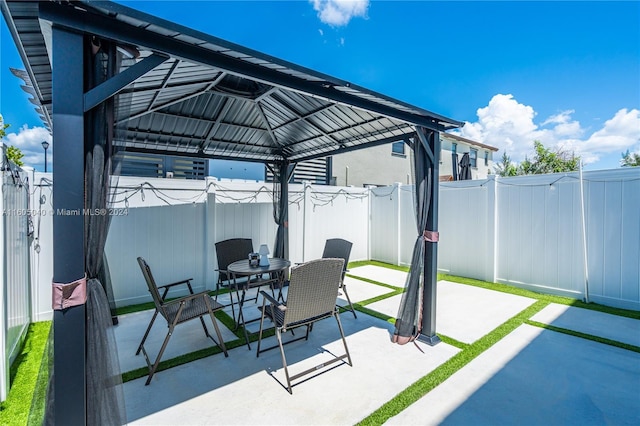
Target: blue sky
{"points": [[564, 73]]}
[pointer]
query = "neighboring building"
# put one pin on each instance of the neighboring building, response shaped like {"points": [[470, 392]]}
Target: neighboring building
{"points": [[386, 164], [158, 166], [381, 165]]}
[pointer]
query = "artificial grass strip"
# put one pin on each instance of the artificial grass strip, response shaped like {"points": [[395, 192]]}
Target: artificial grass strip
{"points": [[452, 342], [377, 263], [370, 281], [598, 339], [427, 383], [16, 408]]}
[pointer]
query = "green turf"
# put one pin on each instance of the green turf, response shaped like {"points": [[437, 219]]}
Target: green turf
{"points": [[25, 402], [598, 339]]}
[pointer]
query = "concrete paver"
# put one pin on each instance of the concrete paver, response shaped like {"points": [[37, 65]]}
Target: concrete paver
{"points": [[464, 312], [383, 275], [614, 327]]}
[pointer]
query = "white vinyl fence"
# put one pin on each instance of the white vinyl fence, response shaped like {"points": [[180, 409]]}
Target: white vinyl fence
{"points": [[174, 225], [523, 231], [15, 283], [528, 231]]}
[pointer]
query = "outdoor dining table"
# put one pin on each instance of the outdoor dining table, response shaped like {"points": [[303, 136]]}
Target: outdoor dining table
{"points": [[276, 270]]}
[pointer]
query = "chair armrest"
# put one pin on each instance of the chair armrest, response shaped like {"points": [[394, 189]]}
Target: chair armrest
{"points": [[268, 297], [187, 281], [187, 298], [166, 287]]}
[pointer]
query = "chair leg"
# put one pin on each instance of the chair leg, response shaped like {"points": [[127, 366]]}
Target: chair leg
{"points": [[261, 325], [146, 333], [344, 340], [233, 311], [220, 341], [152, 368], [284, 360], [344, 289]]}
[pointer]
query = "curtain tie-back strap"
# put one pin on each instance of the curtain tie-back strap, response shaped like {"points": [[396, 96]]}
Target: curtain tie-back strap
{"points": [[431, 236], [70, 294]]}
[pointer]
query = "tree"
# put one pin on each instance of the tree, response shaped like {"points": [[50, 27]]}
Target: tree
{"points": [[630, 159], [547, 161], [13, 153], [3, 126], [506, 167]]}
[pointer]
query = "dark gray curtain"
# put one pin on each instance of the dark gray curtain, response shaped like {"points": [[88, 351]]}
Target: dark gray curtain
{"points": [[408, 322], [454, 165], [465, 167], [281, 208], [105, 398]]}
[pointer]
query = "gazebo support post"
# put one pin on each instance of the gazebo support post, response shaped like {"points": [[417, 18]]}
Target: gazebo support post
{"points": [[69, 383], [428, 334]]}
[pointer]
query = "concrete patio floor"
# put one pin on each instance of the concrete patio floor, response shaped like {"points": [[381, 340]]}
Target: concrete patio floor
{"points": [[531, 376]]}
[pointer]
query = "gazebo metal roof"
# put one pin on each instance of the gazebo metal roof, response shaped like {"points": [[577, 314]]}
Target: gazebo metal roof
{"points": [[192, 94]]}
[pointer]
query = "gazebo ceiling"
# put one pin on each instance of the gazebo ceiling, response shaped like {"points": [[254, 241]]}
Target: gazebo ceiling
{"points": [[188, 93]]}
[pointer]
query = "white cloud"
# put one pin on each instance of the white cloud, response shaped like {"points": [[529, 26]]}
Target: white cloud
{"points": [[510, 126], [338, 13], [29, 141]]}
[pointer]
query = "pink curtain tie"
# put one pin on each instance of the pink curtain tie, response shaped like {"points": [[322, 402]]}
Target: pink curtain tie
{"points": [[431, 236], [69, 295]]}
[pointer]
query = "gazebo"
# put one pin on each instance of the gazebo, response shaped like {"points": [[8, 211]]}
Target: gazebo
{"points": [[106, 77]]}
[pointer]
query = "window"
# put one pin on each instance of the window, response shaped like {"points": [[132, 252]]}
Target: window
{"points": [[454, 148], [473, 157], [486, 158], [397, 148]]}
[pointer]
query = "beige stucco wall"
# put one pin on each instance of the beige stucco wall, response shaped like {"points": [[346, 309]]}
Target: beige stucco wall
{"points": [[378, 166]]}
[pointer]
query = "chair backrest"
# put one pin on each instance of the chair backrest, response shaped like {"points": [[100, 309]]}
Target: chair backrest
{"points": [[151, 284], [313, 289], [231, 250], [338, 248]]}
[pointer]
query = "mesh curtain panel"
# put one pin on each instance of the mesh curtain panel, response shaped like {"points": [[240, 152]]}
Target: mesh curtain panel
{"points": [[105, 398], [280, 213], [409, 319]]}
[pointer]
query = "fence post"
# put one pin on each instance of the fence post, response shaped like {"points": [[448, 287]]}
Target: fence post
{"points": [[210, 238], [4, 371], [492, 229], [305, 212], [397, 189]]}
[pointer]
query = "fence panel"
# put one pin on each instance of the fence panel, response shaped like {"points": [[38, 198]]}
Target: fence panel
{"points": [[612, 199], [538, 236], [335, 212], [15, 269], [465, 222], [385, 230]]}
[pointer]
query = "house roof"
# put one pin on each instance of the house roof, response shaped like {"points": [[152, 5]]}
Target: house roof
{"points": [[470, 142], [196, 95]]}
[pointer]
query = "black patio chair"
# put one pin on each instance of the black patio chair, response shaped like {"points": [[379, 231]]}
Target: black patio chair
{"points": [[339, 248], [227, 252], [177, 311], [313, 289]]}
